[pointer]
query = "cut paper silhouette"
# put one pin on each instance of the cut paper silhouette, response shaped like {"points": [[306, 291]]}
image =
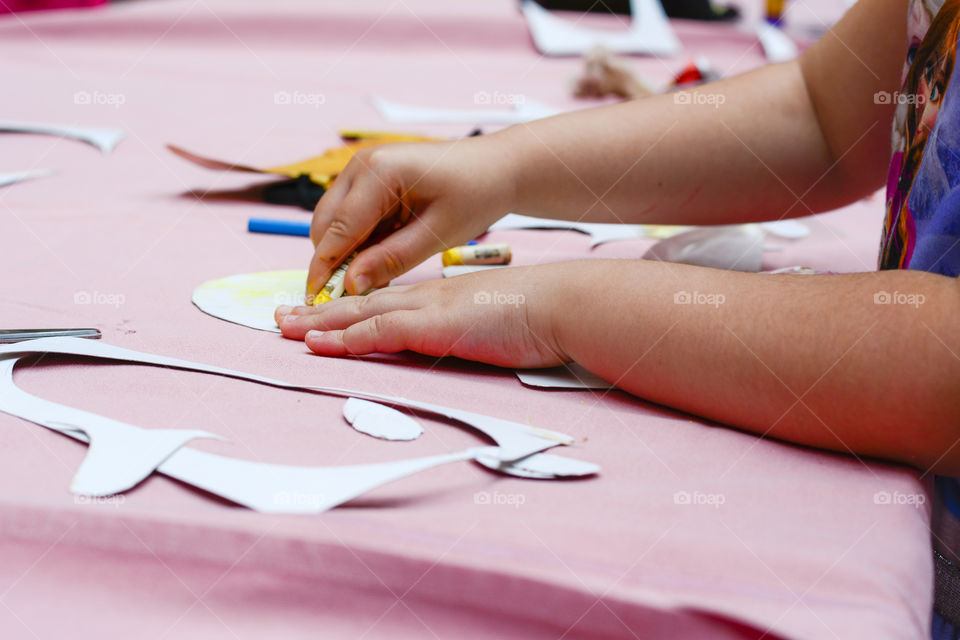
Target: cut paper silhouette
{"points": [[262, 486]]}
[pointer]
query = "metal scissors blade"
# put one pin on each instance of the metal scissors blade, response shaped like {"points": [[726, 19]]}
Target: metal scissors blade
{"points": [[19, 335]]}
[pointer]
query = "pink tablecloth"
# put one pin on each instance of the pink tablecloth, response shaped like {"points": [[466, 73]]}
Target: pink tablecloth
{"points": [[794, 543]]}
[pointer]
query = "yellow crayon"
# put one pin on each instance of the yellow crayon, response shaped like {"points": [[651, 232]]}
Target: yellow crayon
{"points": [[477, 254], [335, 285]]}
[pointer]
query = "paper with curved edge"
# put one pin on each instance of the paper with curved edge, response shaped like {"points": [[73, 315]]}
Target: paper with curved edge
{"points": [[251, 298], [380, 421], [102, 138], [541, 466], [789, 229], [777, 46], [649, 32], [738, 248], [514, 439], [120, 456], [569, 376], [270, 487], [19, 176], [599, 232], [523, 112]]}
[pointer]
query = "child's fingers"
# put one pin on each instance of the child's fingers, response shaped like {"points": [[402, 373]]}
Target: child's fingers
{"points": [[327, 206], [354, 220], [387, 333], [394, 255], [340, 314]]}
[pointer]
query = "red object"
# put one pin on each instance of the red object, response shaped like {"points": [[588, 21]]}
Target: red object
{"points": [[14, 6]]}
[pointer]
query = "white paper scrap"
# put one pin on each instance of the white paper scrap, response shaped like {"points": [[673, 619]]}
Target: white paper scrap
{"points": [[260, 486], [569, 376], [380, 421], [18, 176], [524, 111], [649, 32], [100, 137]]}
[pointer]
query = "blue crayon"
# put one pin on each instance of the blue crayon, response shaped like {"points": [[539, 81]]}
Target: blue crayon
{"points": [[282, 227]]}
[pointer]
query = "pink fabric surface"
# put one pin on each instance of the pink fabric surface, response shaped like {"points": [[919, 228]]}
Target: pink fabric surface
{"points": [[797, 549]]}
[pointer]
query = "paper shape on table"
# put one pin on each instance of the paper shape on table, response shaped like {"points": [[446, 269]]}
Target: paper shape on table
{"points": [[542, 466], [100, 137], [523, 112], [251, 298], [380, 421], [322, 169], [18, 176], [599, 232], [777, 46], [789, 229], [272, 487], [119, 457], [463, 269], [649, 32], [736, 248], [570, 376]]}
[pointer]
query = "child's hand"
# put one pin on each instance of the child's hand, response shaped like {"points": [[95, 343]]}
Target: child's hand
{"points": [[415, 199], [502, 317]]}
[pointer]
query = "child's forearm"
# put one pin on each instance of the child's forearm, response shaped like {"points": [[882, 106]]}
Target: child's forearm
{"points": [[781, 141], [863, 363]]}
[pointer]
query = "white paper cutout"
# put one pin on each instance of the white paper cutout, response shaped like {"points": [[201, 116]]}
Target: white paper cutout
{"points": [[522, 112], [463, 269], [569, 376], [380, 421], [18, 176], [262, 486], [789, 229], [649, 32], [737, 248], [251, 298], [102, 138], [541, 466], [599, 232], [120, 456], [777, 46]]}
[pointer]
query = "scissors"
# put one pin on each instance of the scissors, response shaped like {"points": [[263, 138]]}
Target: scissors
{"points": [[19, 335]]}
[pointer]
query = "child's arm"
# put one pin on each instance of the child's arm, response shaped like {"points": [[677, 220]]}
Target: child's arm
{"points": [[815, 360], [789, 139]]}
